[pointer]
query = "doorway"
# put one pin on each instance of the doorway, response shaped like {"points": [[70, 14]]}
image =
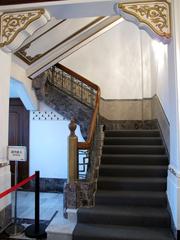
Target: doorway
{"points": [[19, 135]]}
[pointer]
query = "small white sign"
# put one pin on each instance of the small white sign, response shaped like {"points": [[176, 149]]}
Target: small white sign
{"points": [[17, 153]]}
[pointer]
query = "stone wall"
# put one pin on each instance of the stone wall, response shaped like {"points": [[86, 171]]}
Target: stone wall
{"points": [[82, 193], [132, 109], [135, 114]]}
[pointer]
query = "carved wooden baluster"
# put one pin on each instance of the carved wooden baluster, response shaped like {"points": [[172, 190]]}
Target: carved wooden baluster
{"points": [[72, 153]]}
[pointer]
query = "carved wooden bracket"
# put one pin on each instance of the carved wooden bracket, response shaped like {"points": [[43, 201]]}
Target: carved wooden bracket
{"points": [[15, 27], [152, 16]]}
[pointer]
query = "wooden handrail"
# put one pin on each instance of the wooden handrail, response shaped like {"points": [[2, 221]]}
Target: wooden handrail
{"points": [[87, 144], [79, 77]]}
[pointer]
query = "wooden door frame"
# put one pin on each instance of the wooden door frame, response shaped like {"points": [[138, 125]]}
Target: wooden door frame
{"points": [[16, 103]]}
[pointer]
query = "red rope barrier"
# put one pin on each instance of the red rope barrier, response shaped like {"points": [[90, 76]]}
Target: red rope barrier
{"points": [[15, 187]]}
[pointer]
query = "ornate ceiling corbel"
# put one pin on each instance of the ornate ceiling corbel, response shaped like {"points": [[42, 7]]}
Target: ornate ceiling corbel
{"points": [[152, 16], [15, 27]]}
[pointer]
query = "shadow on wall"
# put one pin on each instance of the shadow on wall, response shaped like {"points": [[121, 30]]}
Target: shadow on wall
{"points": [[18, 90]]}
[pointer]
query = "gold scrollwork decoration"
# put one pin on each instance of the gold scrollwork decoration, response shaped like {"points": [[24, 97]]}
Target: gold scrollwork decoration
{"points": [[12, 23], [154, 14]]}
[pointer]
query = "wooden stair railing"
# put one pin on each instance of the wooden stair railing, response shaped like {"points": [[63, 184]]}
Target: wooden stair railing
{"points": [[78, 148]]}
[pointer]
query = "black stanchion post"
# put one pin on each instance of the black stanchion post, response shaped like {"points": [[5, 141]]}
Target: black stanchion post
{"points": [[36, 230], [37, 202]]}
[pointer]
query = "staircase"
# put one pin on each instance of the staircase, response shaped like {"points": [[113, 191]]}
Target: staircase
{"points": [[131, 202], [68, 93]]}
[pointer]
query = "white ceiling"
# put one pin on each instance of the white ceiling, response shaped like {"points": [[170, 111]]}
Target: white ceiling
{"points": [[72, 25], [58, 40]]}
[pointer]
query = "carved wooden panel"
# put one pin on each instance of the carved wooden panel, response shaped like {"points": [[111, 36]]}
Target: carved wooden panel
{"points": [[21, 24], [152, 16]]}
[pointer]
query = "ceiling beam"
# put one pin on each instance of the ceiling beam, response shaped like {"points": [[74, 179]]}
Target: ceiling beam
{"points": [[67, 9]]}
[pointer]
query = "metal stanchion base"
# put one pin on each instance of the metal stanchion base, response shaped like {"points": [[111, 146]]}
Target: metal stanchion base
{"points": [[31, 233], [14, 229]]}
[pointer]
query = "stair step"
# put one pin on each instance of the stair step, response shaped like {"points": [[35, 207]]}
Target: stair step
{"points": [[133, 170], [131, 201], [131, 198], [138, 159], [133, 149], [125, 215], [133, 133], [133, 140], [130, 183], [113, 232]]}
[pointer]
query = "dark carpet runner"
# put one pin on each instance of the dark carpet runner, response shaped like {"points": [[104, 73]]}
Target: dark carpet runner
{"points": [[131, 202]]}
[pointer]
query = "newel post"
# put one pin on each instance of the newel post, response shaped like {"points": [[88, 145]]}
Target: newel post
{"points": [[72, 153]]}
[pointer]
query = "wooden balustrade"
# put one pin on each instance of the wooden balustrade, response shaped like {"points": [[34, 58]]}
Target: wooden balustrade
{"points": [[74, 145]]}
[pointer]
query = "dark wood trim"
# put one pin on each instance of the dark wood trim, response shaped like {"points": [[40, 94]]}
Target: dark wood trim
{"points": [[178, 234], [15, 102], [12, 2]]}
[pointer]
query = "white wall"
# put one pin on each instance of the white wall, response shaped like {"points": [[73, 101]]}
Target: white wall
{"points": [[48, 143], [126, 63], [146, 73], [5, 183], [113, 61], [160, 77], [166, 84], [5, 63], [174, 87], [21, 86], [118, 61]]}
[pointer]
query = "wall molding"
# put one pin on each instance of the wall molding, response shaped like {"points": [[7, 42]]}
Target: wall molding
{"points": [[126, 109], [135, 99], [137, 109], [17, 26], [152, 16], [22, 53]]}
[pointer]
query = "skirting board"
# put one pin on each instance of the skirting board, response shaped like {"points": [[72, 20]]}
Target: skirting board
{"points": [[159, 114], [49, 185], [130, 109], [137, 110]]}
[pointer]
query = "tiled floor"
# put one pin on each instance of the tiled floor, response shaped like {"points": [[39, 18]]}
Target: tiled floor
{"points": [[49, 204]]}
